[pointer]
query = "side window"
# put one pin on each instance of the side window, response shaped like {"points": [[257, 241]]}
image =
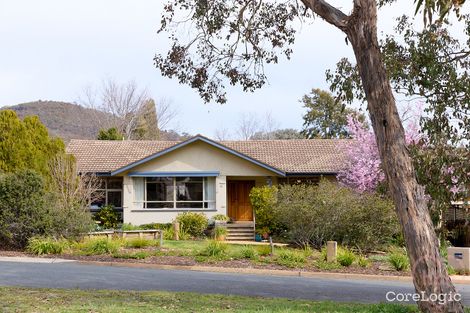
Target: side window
{"points": [[109, 193]]}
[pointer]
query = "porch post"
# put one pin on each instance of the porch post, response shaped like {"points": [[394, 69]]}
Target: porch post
{"points": [[127, 198], [221, 194]]}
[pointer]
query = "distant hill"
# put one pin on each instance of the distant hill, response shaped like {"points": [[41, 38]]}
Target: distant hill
{"points": [[71, 121], [62, 119]]}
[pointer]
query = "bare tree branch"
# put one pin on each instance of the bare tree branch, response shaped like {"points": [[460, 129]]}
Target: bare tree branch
{"points": [[73, 190], [248, 125], [329, 13], [166, 113], [222, 134]]}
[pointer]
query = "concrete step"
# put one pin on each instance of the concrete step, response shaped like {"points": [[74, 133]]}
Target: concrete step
{"points": [[241, 230], [234, 226], [241, 235], [240, 238], [249, 235]]}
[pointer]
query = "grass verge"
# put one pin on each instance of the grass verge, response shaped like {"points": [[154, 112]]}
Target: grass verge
{"points": [[55, 300]]}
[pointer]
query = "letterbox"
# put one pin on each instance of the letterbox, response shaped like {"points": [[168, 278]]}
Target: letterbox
{"points": [[459, 258]]}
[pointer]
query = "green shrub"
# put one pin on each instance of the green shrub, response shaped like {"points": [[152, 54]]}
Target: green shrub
{"points": [[167, 228], [99, 245], [41, 245], [451, 270], [193, 224], [169, 234], [23, 209], [345, 257], [308, 251], [290, 258], [140, 243], [107, 217], [220, 232], [398, 260], [362, 261], [221, 218], [326, 266], [29, 208], [29, 198], [315, 214], [127, 226], [162, 226], [215, 248], [263, 200], [249, 252], [184, 235], [264, 250]]}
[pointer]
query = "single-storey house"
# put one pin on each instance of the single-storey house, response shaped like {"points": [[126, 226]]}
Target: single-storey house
{"points": [[153, 181]]}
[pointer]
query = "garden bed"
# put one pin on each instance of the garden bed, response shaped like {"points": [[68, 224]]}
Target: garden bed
{"points": [[189, 261], [209, 253]]}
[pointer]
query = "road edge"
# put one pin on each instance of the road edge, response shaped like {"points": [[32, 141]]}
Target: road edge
{"points": [[231, 270], [268, 272]]}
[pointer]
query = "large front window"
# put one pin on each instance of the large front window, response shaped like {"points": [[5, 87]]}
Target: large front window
{"points": [[176, 192]]}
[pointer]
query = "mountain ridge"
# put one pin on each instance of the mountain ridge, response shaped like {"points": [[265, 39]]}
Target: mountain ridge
{"points": [[72, 121]]}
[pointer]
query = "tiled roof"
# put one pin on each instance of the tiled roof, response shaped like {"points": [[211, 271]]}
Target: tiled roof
{"points": [[290, 156], [296, 155]]}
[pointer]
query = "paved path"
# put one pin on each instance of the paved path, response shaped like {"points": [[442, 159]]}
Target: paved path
{"points": [[75, 275]]}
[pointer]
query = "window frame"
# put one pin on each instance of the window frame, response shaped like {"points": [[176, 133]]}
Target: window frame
{"points": [[105, 191], [204, 202]]}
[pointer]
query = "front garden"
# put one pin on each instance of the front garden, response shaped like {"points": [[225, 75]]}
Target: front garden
{"points": [[217, 253], [302, 217]]}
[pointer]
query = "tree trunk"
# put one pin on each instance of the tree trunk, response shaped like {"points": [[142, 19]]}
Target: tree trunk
{"points": [[429, 272], [430, 275]]}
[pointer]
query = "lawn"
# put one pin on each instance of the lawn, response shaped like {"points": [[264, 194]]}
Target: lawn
{"points": [[55, 300]]}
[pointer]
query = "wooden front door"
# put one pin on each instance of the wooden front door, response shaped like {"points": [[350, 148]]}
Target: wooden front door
{"points": [[239, 205]]}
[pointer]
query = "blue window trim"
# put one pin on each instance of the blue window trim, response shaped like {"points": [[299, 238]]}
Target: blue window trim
{"points": [[191, 140], [176, 174]]}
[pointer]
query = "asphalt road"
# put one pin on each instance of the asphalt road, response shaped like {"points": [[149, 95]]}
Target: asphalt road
{"points": [[75, 275]]}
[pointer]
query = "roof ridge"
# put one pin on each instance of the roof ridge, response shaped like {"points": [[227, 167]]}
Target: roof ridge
{"points": [[240, 141], [287, 155]]}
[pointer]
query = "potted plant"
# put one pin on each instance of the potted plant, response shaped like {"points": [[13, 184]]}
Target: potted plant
{"points": [[220, 233], [220, 219], [265, 233]]}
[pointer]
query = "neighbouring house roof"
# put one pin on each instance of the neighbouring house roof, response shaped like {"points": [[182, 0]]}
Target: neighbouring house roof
{"points": [[285, 157]]}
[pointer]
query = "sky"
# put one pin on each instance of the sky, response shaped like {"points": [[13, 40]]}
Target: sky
{"points": [[54, 49]]}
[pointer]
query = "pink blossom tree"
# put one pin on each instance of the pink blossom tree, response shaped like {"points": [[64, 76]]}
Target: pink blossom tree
{"points": [[443, 169], [363, 170]]}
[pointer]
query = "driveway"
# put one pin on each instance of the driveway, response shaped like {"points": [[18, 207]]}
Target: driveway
{"points": [[76, 275]]}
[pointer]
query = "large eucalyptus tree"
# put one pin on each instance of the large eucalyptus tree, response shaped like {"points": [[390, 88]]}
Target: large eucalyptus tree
{"points": [[231, 41]]}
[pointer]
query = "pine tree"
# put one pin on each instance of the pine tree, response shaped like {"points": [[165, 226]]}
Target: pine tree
{"points": [[26, 144]]}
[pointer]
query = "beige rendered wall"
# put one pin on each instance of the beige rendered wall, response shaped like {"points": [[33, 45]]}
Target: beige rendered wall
{"points": [[198, 156]]}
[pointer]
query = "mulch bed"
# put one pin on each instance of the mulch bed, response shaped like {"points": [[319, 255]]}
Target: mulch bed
{"points": [[373, 269]]}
